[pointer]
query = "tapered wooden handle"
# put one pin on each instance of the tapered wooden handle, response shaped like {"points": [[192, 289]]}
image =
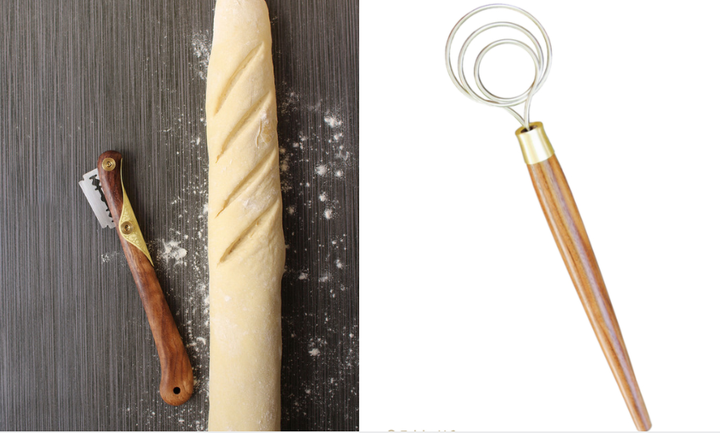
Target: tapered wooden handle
{"points": [[572, 240], [176, 385]]}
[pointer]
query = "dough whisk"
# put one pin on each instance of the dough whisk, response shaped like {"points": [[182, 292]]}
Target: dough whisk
{"points": [[553, 193]]}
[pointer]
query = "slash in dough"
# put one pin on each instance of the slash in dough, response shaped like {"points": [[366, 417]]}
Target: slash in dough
{"points": [[246, 249]]}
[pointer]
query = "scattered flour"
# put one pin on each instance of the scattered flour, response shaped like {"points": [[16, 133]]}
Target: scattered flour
{"points": [[332, 121], [107, 257], [173, 251], [314, 163], [201, 47], [321, 170]]}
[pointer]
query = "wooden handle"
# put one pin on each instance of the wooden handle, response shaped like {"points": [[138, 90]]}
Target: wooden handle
{"points": [[572, 240], [176, 385]]}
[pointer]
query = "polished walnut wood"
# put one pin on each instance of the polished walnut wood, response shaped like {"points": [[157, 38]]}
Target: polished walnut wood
{"points": [[176, 385], [572, 240]]}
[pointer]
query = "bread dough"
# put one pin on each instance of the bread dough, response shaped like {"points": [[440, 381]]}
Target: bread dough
{"points": [[246, 249]]}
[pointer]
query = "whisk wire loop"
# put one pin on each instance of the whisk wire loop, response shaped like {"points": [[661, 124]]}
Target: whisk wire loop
{"points": [[542, 59]]}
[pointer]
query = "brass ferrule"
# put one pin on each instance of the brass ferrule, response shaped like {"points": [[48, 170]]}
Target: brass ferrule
{"points": [[534, 143]]}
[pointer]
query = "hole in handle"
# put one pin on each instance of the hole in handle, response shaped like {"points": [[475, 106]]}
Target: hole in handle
{"points": [[176, 390]]}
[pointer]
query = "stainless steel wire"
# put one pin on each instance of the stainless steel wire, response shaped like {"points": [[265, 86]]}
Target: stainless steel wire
{"points": [[542, 59]]}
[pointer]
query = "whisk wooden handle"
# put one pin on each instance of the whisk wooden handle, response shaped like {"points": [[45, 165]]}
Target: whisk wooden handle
{"points": [[572, 240]]}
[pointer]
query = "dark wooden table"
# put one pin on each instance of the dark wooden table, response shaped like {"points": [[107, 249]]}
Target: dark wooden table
{"points": [[78, 78]]}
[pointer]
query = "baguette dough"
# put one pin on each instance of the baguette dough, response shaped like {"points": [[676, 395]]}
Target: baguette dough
{"points": [[246, 249]]}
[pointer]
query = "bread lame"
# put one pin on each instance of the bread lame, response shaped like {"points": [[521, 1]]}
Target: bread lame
{"points": [[105, 191]]}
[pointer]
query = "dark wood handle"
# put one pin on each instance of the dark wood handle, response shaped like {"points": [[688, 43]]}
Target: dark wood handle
{"points": [[572, 240], [176, 385]]}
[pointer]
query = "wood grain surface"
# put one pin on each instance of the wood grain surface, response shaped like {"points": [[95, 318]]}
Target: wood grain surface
{"points": [[176, 384], [572, 240], [78, 78]]}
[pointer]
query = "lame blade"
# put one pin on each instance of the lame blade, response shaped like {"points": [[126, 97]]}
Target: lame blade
{"points": [[91, 187]]}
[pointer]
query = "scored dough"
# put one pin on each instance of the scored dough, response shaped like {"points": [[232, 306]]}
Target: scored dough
{"points": [[246, 249]]}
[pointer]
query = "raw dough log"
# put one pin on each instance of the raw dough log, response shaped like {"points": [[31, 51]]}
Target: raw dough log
{"points": [[246, 249]]}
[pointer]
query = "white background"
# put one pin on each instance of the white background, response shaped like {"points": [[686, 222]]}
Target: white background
{"points": [[469, 320]]}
